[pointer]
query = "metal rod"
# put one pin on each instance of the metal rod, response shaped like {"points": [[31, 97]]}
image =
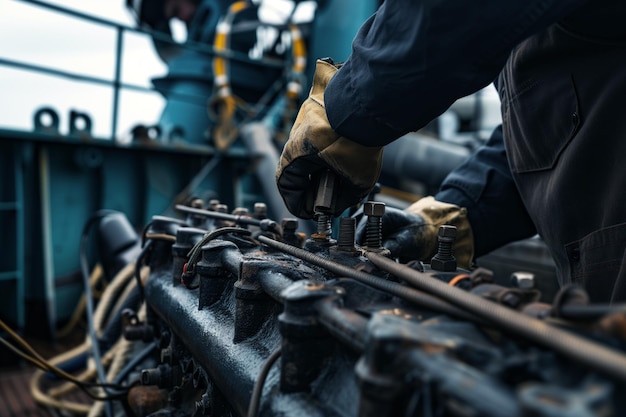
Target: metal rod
{"points": [[263, 223], [117, 81], [401, 291], [190, 45], [580, 349]]}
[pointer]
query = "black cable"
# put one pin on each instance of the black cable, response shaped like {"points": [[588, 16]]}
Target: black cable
{"points": [[580, 349], [255, 398], [84, 386], [138, 265], [134, 362]]}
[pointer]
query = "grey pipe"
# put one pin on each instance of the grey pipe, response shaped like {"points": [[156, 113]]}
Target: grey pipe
{"points": [[422, 158]]}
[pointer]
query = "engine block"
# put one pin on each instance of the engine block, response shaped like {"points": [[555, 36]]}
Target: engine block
{"points": [[252, 318]]}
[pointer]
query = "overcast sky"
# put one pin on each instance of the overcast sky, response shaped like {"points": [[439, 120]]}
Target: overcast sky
{"points": [[42, 37]]}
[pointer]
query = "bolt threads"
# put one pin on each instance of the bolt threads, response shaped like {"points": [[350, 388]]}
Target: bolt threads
{"points": [[444, 260], [347, 227], [374, 232], [323, 225], [444, 251]]}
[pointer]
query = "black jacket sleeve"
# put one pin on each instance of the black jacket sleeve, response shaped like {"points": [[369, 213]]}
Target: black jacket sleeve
{"points": [[413, 58], [484, 185]]}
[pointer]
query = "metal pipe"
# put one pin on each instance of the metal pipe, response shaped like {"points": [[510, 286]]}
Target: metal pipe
{"points": [[604, 359], [116, 81]]}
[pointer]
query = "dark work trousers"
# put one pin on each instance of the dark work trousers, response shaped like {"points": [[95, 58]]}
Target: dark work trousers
{"points": [[564, 117]]}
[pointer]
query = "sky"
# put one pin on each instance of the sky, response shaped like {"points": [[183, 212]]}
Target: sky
{"points": [[43, 37]]}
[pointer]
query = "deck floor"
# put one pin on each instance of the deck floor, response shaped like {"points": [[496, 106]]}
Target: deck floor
{"points": [[16, 399]]}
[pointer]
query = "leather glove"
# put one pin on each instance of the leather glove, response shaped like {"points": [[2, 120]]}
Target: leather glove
{"points": [[314, 147], [412, 233]]}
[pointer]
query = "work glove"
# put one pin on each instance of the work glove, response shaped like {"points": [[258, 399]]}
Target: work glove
{"points": [[314, 148], [412, 233]]}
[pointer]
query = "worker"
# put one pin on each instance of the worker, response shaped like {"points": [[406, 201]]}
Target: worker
{"points": [[554, 167]]}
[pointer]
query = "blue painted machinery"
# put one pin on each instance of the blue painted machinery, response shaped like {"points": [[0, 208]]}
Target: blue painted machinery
{"points": [[219, 303]]}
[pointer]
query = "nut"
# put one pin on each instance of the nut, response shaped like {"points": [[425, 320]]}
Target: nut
{"points": [[374, 208], [443, 265]]}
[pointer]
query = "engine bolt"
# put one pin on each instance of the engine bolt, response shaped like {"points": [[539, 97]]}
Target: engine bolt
{"points": [[324, 227], [444, 260], [374, 233], [347, 226], [260, 211]]}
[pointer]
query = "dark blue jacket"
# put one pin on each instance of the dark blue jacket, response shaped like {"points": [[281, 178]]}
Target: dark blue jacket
{"points": [[556, 167]]}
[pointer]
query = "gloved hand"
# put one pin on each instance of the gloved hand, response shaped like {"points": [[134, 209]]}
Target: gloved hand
{"points": [[412, 233], [314, 147]]}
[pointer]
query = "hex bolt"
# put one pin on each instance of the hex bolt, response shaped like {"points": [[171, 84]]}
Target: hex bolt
{"points": [[260, 211], [197, 203], [374, 211], [444, 260], [347, 228], [241, 211], [289, 226], [213, 204]]}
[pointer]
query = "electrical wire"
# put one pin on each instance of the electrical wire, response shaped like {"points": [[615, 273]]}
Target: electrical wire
{"points": [[255, 398], [46, 366], [195, 252], [138, 265], [458, 278]]}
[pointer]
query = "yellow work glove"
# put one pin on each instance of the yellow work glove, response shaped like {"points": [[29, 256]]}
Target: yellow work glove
{"points": [[412, 233], [314, 147]]}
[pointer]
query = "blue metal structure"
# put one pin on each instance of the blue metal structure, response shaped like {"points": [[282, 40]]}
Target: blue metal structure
{"points": [[52, 183]]}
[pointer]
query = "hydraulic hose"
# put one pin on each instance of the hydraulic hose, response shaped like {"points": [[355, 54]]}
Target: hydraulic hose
{"points": [[408, 294], [596, 356]]}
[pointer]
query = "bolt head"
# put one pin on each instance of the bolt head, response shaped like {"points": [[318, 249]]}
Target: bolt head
{"points": [[523, 280], [289, 223], [374, 208], [447, 231]]}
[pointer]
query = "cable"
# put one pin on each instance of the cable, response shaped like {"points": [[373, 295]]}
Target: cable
{"points": [[134, 362], [90, 322], [195, 252], [45, 366], [94, 278], [138, 265], [458, 278], [255, 398]]}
